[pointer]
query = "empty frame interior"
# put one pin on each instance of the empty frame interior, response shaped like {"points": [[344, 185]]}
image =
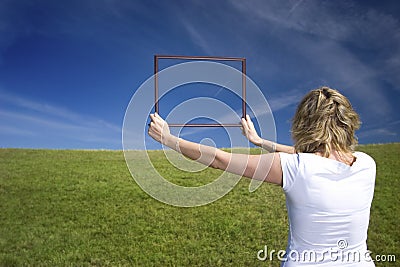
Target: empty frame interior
{"points": [[194, 58]]}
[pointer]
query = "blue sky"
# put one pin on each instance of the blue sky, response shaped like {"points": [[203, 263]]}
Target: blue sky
{"points": [[68, 69]]}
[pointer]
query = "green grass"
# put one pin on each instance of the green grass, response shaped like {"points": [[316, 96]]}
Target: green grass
{"points": [[82, 208]]}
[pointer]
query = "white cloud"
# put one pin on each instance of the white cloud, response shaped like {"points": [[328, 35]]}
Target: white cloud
{"points": [[325, 34], [11, 130], [347, 21], [285, 100], [380, 132], [32, 119], [197, 37]]}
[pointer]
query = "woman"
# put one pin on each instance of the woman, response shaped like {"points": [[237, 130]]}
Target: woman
{"points": [[328, 187]]}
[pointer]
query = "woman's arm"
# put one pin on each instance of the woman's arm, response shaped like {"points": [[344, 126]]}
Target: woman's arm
{"points": [[251, 134], [264, 167]]}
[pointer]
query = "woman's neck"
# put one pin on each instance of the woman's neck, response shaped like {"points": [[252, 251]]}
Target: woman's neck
{"points": [[346, 158]]}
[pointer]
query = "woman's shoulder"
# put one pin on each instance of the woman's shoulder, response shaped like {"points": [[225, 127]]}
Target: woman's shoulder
{"points": [[311, 159], [363, 158]]}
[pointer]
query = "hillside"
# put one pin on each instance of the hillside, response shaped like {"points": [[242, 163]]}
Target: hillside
{"points": [[66, 207]]}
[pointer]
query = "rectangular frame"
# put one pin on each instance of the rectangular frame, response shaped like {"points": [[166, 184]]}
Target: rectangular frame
{"points": [[156, 104]]}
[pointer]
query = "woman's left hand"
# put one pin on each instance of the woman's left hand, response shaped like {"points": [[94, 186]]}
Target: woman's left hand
{"points": [[159, 129]]}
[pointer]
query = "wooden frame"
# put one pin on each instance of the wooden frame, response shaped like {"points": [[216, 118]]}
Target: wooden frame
{"points": [[243, 70]]}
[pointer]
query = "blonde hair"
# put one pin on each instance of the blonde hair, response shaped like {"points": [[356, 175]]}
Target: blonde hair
{"points": [[325, 120]]}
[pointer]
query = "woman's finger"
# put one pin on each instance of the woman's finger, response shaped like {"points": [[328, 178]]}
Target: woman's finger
{"points": [[154, 119], [251, 125], [245, 125], [243, 131], [160, 120], [249, 121], [158, 116], [248, 118]]}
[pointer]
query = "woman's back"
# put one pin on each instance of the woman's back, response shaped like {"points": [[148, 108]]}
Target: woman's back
{"points": [[328, 206], [328, 201]]}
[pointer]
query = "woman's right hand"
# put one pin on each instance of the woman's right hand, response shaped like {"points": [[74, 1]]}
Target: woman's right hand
{"points": [[250, 132], [159, 129]]}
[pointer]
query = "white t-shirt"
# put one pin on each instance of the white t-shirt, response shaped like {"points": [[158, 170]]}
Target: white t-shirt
{"points": [[328, 205]]}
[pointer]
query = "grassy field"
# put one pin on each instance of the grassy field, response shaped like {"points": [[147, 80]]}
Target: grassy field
{"points": [[82, 208]]}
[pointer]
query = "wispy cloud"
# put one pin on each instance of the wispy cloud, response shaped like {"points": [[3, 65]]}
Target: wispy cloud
{"points": [[318, 33], [325, 19], [380, 131], [11, 130], [333, 27], [289, 45], [285, 100], [36, 120], [198, 38]]}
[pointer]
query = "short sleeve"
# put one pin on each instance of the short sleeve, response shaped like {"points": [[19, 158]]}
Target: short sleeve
{"points": [[290, 168]]}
